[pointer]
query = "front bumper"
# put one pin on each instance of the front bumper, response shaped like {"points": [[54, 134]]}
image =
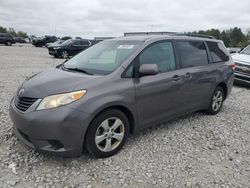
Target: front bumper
{"points": [[52, 52], [58, 131]]}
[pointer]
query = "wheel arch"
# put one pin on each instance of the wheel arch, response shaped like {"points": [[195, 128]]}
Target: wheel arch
{"points": [[224, 87], [128, 112]]}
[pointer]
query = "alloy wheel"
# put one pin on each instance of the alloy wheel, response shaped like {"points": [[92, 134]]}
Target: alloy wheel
{"points": [[109, 134], [65, 55], [217, 100]]}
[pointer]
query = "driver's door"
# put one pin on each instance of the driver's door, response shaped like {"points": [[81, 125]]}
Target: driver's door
{"points": [[158, 96]]}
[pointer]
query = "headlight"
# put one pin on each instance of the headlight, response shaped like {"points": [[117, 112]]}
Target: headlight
{"points": [[56, 48], [60, 99]]}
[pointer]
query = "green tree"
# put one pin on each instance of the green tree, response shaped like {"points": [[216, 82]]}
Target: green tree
{"points": [[22, 34], [225, 37], [12, 32], [3, 29], [214, 32], [236, 37]]}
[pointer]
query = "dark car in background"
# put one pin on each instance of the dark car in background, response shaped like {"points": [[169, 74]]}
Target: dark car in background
{"points": [[20, 40], [242, 71], [56, 43], [117, 87], [6, 39], [69, 48], [40, 42]]}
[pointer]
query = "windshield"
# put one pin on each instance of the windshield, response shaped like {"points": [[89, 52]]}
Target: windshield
{"points": [[66, 42], [59, 42], [104, 57], [246, 51]]}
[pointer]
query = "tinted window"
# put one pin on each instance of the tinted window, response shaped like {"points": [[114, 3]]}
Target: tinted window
{"points": [[161, 54], [77, 42], [85, 42], [192, 53], [218, 52]]}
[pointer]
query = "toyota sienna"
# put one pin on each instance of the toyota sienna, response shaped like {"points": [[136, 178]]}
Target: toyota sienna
{"points": [[117, 87]]}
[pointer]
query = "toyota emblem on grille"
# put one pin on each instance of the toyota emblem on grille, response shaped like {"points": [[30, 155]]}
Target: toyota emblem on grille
{"points": [[20, 92]]}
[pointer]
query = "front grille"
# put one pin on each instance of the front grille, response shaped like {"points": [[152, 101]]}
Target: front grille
{"points": [[242, 77], [243, 68], [23, 103]]}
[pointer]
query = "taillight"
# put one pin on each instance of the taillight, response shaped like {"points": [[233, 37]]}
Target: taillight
{"points": [[233, 66]]}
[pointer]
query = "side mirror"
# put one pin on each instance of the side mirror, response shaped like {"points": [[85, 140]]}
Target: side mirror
{"points": [[148, 69]]}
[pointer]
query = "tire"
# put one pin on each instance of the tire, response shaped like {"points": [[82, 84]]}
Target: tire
{"points": [[8, 43], [216, 101], [104, 143], [64, 54]]}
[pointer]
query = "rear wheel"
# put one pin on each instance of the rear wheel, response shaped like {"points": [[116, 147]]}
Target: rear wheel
{"points": [[107, 133], [216, 101]]}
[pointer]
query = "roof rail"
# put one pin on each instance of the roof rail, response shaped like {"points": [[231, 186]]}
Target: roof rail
{"points": [[168, 33], [195, 35]]}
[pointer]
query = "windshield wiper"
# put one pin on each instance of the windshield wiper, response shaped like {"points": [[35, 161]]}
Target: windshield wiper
{"points": [[77, 70]]}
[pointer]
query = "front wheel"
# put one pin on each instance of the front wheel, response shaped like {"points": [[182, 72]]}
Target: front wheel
{"points": [[65, 55], [216, 101], [107, 133], [8, 43]]}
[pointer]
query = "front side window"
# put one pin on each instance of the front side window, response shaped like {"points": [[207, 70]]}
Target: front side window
{"points": [[192, 53], [218, 52], [85, 43], [104, 57], [161, 54]]}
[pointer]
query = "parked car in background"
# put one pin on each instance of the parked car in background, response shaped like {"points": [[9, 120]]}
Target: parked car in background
{"points": [[117, 87], [233, 50], [69, 48], [242, 71], [6, 39], [20, 40], [56, 43], [40, 42]]}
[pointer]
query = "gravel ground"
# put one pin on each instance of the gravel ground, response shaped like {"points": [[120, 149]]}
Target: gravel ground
{"points": [[194, 151]]}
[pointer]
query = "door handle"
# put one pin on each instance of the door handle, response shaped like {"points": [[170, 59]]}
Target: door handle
{"points": [[188, 75], [176, 77]]}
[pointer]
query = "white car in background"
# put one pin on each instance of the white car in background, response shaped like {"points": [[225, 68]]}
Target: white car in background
{"points": [[242, 61], [233, 50]]}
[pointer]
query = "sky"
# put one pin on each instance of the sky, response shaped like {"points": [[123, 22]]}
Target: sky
{"points": [[99, 18]]}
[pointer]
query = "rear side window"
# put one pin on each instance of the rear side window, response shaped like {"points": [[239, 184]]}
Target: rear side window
{"points": [[85, 43], [218, 52], [161, 54], [192, 53]]}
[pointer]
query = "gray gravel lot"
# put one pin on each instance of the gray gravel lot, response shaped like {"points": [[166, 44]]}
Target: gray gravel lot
{"points": [[194, 151]]}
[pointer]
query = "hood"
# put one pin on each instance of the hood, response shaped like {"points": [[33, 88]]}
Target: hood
{"points": [[54, 81], [241, 58]]}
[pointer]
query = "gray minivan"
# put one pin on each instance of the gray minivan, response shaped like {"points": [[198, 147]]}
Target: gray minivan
{"points": [[117, 87]]}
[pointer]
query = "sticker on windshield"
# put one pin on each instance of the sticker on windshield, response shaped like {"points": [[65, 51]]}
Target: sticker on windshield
{"points": [[126, 46]]}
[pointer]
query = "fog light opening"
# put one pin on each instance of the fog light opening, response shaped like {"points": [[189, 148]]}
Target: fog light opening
{"points": [[55, 144]]}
